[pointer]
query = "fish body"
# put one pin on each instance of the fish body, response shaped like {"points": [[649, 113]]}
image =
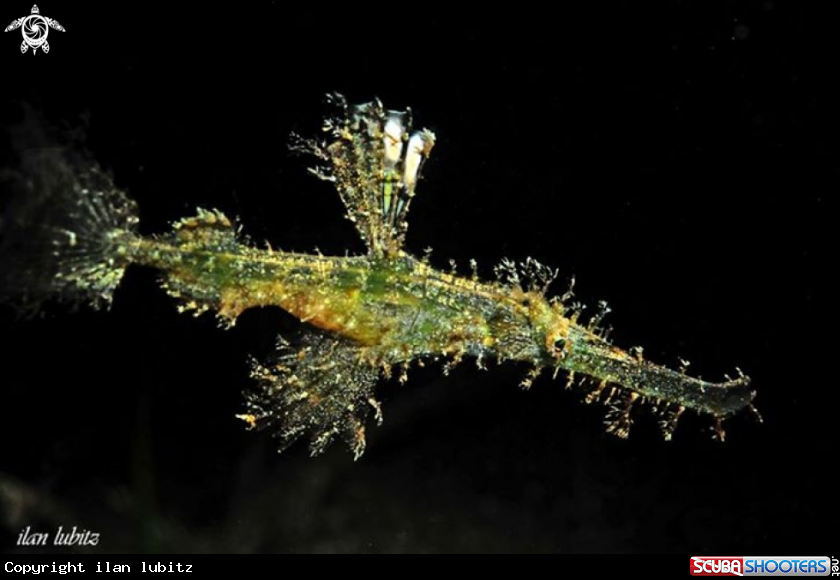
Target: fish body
{"points": [[364, 317]]}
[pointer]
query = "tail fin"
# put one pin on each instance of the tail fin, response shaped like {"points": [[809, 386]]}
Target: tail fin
{"points": [[67, 232]]}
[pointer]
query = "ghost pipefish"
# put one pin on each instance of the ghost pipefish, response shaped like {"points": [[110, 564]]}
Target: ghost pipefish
{"points": [[363, 317]]}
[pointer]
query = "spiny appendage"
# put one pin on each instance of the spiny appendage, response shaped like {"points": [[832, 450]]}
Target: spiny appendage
{"points": [[319, 390], [374, 160], [209, 230], [527, 276], [68, 235]]}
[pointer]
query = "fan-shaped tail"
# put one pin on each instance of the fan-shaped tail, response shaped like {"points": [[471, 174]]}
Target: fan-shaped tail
{"points": [[68, 233]]}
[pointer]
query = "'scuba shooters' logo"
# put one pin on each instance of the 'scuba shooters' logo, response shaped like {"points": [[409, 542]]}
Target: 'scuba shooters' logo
{"points": [[35, 29], [763, 566]]}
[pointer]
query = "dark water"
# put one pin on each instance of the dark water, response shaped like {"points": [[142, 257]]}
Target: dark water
{"points": [[679, 162]]}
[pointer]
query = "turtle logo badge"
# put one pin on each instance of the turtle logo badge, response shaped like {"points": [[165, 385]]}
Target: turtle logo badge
{"points": [[35, 29]]}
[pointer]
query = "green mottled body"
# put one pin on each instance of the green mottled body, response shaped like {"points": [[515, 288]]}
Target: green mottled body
{"points": [[399, 309]]}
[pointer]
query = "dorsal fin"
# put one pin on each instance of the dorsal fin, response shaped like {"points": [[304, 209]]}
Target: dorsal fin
{"points": [[374, 160], [206, 229]]}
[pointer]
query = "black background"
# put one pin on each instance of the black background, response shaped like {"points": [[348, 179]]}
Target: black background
{"points": [[679, 161]]}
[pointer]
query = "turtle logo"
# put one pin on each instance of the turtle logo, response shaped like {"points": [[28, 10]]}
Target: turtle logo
{"points": [[35, 29]]}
